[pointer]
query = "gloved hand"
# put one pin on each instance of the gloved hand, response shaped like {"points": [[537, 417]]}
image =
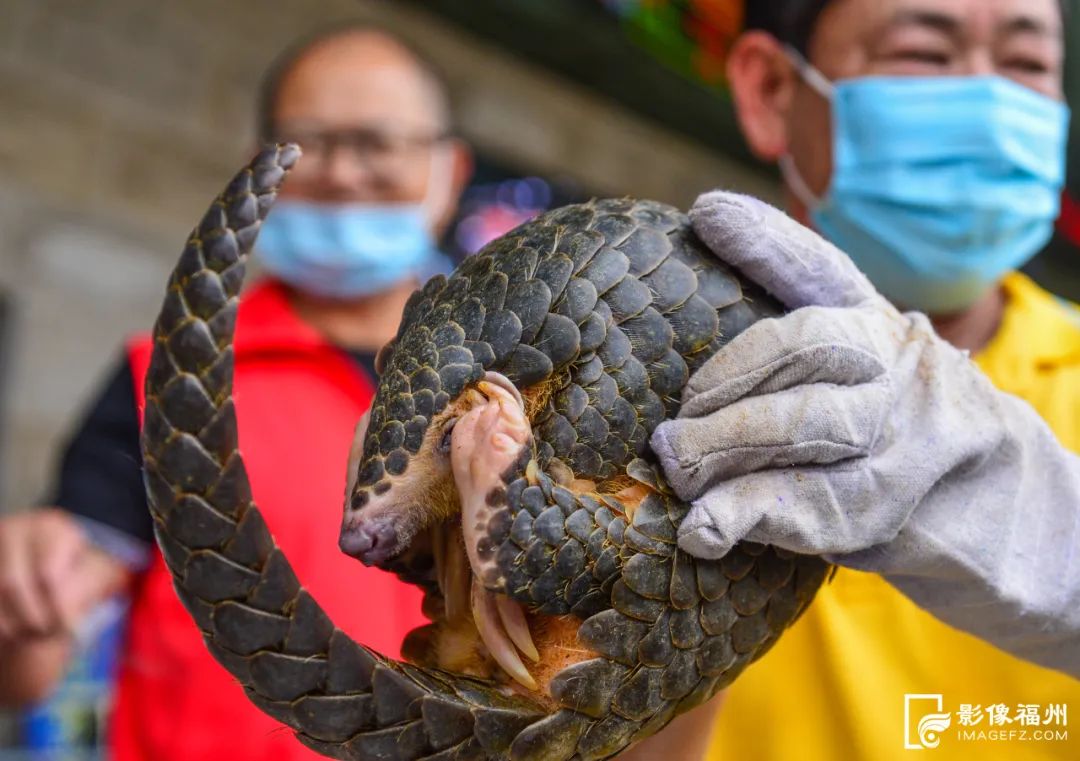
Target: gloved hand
{"points": [[850, 430]]}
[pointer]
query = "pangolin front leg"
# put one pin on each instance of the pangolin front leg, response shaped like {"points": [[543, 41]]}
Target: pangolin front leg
{"points": [[486, 442]]}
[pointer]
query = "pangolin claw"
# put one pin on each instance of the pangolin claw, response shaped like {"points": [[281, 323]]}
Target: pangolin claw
{"points": [[489, 623], [517, 627]]}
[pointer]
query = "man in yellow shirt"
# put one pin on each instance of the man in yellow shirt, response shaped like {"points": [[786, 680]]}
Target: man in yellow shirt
{"points": [[926, 139]]}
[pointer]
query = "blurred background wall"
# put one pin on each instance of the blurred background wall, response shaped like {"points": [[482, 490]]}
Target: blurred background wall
{"points": [[120, 120]]}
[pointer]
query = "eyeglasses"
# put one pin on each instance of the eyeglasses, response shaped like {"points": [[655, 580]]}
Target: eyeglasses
{"points": [[391, 156]]}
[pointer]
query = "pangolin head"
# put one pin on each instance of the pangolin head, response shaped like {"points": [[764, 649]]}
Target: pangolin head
{"points": [[449, 342]]}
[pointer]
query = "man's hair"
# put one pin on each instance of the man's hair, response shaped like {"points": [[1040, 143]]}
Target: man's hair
{"points": [[792, 21], [270, 85]]}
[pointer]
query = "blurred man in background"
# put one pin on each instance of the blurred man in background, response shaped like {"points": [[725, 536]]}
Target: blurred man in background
{"points": [[926, 139], [351, 236]]}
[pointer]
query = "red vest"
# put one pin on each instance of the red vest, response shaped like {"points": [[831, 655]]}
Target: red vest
{"points": [[297, 401]]}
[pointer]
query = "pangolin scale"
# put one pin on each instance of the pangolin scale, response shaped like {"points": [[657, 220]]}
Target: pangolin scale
{"points": [[598, 313]]}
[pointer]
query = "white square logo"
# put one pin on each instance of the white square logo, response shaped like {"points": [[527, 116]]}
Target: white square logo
{"points": [[924, 721]]}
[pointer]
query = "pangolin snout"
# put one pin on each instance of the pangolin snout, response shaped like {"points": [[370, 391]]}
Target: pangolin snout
{"points": [[371, 540]]}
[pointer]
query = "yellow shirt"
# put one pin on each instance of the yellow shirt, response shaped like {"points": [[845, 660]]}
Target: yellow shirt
{"points": [[834, 686]]}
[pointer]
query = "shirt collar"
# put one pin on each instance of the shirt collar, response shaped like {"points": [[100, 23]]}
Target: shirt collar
{"points": [[1038, 331]]}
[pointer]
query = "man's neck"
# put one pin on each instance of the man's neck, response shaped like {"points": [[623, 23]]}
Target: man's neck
{"points": [[973, 328], [359, 324]]}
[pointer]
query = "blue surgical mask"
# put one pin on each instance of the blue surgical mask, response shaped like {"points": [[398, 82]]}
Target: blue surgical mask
{"points": [[940, 185], [346, 250]]}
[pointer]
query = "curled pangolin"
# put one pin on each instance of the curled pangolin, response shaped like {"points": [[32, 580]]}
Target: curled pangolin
{"points": [[568, 623]]}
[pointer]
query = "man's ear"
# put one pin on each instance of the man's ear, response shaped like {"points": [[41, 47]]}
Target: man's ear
{"points": [[462, 164], [763, 82]]}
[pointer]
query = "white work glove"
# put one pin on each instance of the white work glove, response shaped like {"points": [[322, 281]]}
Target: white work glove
{"points": [[849, 430]]}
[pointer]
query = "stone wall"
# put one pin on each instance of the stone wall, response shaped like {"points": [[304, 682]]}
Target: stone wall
{"points": [[120, 119]]}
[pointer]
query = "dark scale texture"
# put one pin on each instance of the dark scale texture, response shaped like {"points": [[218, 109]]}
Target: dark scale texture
{"points": [[616, 300], [614, 303]]}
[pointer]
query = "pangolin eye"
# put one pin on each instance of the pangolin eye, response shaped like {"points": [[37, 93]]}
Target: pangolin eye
{"points": [[447, 434]]}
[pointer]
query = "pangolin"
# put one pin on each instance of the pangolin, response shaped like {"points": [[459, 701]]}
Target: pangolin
{"points": [[504, 467]]}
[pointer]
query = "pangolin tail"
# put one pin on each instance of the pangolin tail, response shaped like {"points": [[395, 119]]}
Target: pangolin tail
{"points": [[341, 698]]}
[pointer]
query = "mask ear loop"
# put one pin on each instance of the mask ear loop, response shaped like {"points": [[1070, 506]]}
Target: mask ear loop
{"points": [[810, 74], [795, 182], [820, 84]]}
